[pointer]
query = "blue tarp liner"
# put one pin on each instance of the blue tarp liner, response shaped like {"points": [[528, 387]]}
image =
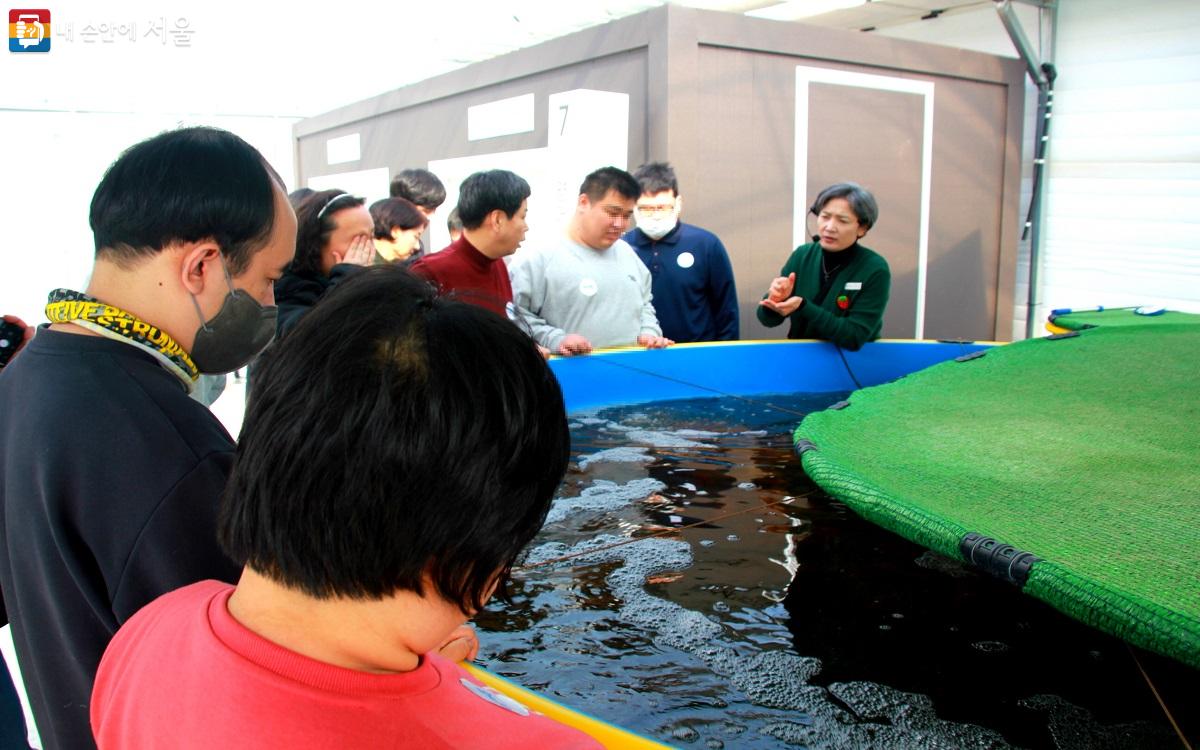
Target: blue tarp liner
{"points": [[745, 368]]}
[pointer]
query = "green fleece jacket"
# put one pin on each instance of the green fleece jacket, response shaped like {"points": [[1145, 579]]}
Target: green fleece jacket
{"points": [[864, 283]]}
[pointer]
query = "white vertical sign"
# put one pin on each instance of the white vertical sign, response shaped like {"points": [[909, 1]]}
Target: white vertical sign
{"points": [[587, 130]]}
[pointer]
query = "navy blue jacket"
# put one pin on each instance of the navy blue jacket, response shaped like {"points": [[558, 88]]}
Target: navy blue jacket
{"points": [[694, 294]]}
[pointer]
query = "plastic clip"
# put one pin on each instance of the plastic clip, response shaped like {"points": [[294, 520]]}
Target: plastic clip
{"points": [[803, 446], [1001, 560]]}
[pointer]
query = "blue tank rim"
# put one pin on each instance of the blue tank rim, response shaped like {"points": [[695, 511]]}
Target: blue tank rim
{"points": [[633, 375]]}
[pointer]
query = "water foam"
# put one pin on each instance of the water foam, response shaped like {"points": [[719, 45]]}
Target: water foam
{"points": [[616, 455], [603, 496], [851, 714]]}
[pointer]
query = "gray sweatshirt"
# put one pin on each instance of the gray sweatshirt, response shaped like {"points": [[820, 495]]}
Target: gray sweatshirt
{"points": [[603, 295]]}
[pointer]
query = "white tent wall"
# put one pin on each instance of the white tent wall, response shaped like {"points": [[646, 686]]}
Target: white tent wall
{"points": [[1123, 208], [67, 114], [1122, 222], [53, 163]]}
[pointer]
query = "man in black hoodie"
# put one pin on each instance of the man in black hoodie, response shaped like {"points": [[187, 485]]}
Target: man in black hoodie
{"points": [[110, 476]]}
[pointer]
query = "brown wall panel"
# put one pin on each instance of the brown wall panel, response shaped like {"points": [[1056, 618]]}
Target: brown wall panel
{"points": [[874, 138], [963, 287], [743, 186], [437, 129], [744, 170]]}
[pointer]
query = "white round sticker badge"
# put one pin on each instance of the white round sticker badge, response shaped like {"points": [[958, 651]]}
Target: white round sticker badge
{"points": [[588, 288], [686, 260]]}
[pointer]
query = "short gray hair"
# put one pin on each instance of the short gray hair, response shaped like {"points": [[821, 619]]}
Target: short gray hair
{"points": [[860, 199]]}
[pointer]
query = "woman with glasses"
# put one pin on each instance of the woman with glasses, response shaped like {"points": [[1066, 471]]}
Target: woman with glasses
{"points": [[334, 238]]}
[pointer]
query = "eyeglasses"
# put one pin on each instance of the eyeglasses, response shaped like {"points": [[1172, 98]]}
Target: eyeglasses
{"points": [[656, 210]]}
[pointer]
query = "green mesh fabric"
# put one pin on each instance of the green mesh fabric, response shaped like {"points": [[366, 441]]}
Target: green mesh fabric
{"points": [[1084, 451], [1122, 316]]}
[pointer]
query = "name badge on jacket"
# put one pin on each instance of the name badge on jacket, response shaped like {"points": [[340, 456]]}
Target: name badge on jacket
{"points": [[854, 286]]}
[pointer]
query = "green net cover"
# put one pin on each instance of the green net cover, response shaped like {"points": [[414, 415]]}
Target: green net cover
{"points": [[1084, 451], [1121, 316]]}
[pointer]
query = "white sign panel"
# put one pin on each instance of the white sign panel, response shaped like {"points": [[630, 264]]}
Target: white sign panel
{"points": [[343, 149], [371, 184], [504, 117]]}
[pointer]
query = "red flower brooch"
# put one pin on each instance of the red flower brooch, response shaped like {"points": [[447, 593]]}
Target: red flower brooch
{"points": [[843, 302]]}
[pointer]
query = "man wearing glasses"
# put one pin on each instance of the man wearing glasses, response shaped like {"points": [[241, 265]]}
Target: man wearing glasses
{"points": [[694, 292], [590, 291]]}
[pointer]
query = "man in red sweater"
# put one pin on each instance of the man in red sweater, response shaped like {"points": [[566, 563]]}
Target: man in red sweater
{"points": [[492, 207]]}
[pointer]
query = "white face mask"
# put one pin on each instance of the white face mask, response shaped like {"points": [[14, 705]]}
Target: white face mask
{"points": [[657, 227]]}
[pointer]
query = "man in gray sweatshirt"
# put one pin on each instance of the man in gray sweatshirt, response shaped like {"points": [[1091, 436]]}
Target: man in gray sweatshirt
{"points": [[590, 290]]}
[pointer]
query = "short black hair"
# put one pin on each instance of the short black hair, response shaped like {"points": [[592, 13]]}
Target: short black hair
{"points": [[484, 192], [395, 213], [395, 434], [419, 186], [185, 185], [862, 203], [656, 177], [297, 196], [315, 225], [597, 184]]}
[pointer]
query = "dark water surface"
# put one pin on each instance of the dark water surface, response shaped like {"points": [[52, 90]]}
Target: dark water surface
{"points": [[779, 618]]}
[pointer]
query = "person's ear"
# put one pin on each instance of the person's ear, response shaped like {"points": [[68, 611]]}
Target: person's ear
{"points": [[199, 261], [862, 232], [496, 219], [584, 202], [678, 205]]}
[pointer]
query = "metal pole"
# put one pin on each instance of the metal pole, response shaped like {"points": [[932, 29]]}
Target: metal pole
{"points": [[1042, 75]]}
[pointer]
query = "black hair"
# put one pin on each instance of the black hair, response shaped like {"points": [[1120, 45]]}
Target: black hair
{"points": [[484, 192], [393, 435], [297, 196], [453, 222], [419, 186], [862, 203], [185, 185], [395, 213], [598, 183], [655, 177], [315, 225]]}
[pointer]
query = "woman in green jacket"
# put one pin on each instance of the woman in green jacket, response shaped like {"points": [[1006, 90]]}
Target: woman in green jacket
{"points": [[833, 288]]}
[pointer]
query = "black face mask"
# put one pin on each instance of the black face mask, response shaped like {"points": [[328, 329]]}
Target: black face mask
{"points": [[240, 330]]}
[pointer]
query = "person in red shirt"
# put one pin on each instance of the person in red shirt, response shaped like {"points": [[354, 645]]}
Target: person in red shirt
{"points": [[399, 451], [492, 207]]}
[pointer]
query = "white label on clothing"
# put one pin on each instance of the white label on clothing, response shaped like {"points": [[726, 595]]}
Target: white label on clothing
{"points": [[686, 260], [588, 288], [492, 696], [854, 286]]}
